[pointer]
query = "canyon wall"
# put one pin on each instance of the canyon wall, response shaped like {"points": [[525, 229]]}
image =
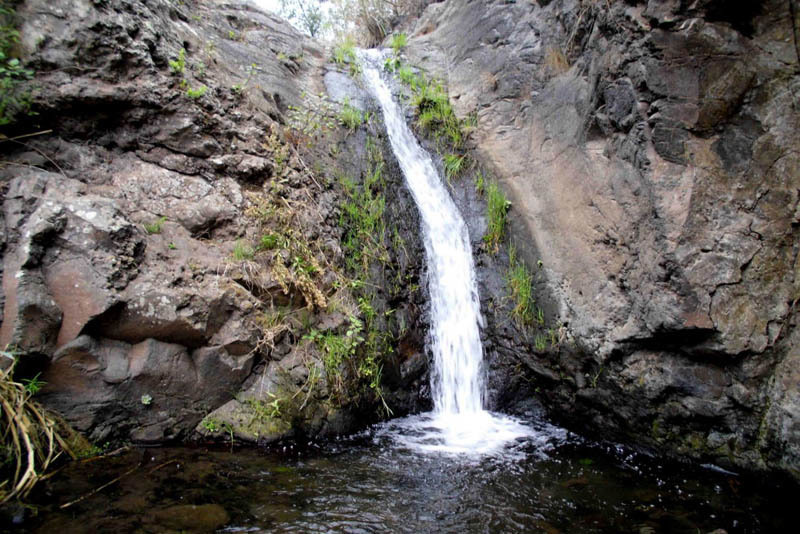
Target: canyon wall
{"points": [[650, 151]]}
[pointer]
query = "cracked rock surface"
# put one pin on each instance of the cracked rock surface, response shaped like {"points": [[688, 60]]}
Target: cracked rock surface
{"points": [[120, 281], [650, 151]]}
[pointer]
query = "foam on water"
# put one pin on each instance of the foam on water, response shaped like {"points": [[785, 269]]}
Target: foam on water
{"points": [[458, 424]]}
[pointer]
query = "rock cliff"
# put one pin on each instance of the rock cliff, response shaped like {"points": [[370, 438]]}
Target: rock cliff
{"points": [[650, 153], [173, 241]]}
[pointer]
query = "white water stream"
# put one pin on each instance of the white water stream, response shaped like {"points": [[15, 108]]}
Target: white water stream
{"points": [[458, 423]]}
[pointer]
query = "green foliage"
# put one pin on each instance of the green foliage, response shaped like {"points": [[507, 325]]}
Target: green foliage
{"points": [[399, 41], [408, 77], [155, 226], [497, 206], [540, 342], [344, 53], [178, 66], [242, 251], [350, 116], [146, 399], [453, 164], [362, 217], [15, 98], [316, 116], [520, 281], [239, 88], [434, 112], [196, 93], [336, 348], [480, 183], [210, 424], [304, 14], [33, 385], [271, 241], [391, 64]]}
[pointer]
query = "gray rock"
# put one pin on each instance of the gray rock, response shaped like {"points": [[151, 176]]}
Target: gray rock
{"points": [[656, 180]]}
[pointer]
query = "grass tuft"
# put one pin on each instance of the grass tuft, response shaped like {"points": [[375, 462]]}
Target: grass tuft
{"points": [[520, 282], [453, 165], [243, 252], [350, 116], [399, 41], [497, 206], [155, 226]]}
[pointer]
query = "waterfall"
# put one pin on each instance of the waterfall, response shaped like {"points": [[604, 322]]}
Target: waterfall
{"points": [[459, 422]]}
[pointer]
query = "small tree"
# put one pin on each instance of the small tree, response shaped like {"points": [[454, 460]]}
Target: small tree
{"points": [[307, 15]]}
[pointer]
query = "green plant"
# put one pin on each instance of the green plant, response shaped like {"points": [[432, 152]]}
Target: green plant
{"points": [[595, 377], [33, 385], [399, 41], [407, 76], [239, 88], [553, 337], [242, 251], [231, 35], [540, 342], [497, 206], [480, 185], [269, 241], [391, 64], [15, 98], [350, 116], [155, 226], [178, 66], [520, 282], [452, 165], [146, 399], [344, 53], [196, 93], [171, 246], [210, 424]]}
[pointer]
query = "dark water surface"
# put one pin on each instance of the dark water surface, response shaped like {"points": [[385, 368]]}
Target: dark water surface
{"points": [[370, 483]]}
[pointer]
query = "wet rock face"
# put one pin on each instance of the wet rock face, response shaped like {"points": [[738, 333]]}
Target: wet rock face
{"points": [[650, 153], [119, 230]]}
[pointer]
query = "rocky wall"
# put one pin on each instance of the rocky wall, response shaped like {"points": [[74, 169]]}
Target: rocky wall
{"points": [[650, 153], [169, 236]]}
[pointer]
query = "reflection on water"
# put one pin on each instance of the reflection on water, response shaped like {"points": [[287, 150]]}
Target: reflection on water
{"points": [[375, 482]]}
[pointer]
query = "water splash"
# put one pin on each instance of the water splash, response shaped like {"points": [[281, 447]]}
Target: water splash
{"points": [[459, 423]]}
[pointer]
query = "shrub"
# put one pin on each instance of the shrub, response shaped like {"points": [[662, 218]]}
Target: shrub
{"points": [[196, 93], [177, 66]]}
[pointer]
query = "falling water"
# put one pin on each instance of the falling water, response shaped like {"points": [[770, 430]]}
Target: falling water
{"points": [[459, 423]]}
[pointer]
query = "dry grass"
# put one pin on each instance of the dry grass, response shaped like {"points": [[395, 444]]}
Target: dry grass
{"points": [[555, 61], [30, 438]]}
